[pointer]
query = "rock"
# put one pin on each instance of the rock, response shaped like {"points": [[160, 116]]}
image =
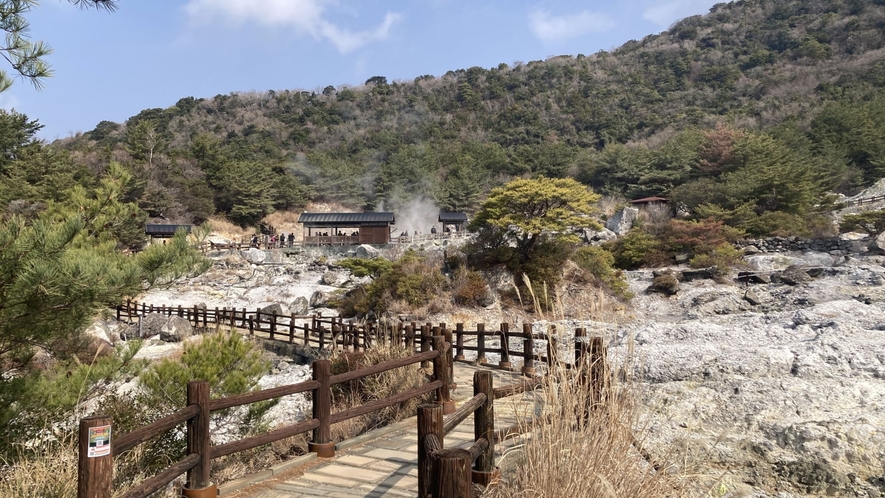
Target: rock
{"points": [[754, 278], [320, 299], [176, 329], [622, 221], [665, 283], [254, 255], [299, 306], [698, 274], [102, 331], [595, 238], [794, 275], [274, 309], [366, 251], [335, 278], [878, 244], [751, 297], [682, 258], [751, 249]]}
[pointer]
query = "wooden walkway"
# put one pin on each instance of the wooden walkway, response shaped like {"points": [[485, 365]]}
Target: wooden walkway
{"points": [[384, 463]]}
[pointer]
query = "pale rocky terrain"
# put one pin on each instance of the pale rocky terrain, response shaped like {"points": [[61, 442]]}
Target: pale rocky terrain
{"points": [[782, 398]]}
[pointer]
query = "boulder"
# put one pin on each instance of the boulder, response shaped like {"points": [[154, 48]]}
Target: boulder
{"points": [[698, 274], [794, 275], [274, 309], [595, 238], [176, 329], [367, 252], [878, 244], [751, 249], [335, 278], [320, 299], [254, 255], [622, 221], [666, 283], [751, 297], [299, 306]]}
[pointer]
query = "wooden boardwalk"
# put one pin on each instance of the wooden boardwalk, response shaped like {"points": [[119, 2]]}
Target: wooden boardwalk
{"points": [[384, 463]]}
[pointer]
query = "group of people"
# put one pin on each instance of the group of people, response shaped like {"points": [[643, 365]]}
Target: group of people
{"points": [[280, 241]]}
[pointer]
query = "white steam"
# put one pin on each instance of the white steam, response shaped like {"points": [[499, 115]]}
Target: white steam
{"points": [[418, 214]]}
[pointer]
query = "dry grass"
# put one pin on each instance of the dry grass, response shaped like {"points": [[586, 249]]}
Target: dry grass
{"points": [[50, 474], [224, 228], [595, 455], [375, 387]]}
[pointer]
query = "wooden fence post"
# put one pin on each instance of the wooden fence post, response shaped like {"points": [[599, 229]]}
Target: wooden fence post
{"points": [[95, 465], [598, 372], [480, 343], [552, 347], [459, 338], [425, 343], [505, 346], [273, 325], [430, 421], [484, 426], [528, 350], [441, 373], [306, 335], [292, 328], [447, 333], [450, 475], [322, 443], [198, 435]]}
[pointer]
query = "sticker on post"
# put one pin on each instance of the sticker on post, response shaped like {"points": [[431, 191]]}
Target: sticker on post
{"points": [[99, 441]]}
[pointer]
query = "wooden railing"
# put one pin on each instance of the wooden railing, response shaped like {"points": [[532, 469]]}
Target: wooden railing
{"points": [[865, 200], [335, 333], [447, 472], [99, 446]]}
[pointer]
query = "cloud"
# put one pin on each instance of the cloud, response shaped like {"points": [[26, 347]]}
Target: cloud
{"points": [[666, 12], [305, 16], [550, 28]]}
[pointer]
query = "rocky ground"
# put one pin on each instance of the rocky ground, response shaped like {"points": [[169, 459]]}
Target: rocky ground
{"points": [[770, 389]]}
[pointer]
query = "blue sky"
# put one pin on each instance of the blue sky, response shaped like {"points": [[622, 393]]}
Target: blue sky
{"points": [[150, 53]]}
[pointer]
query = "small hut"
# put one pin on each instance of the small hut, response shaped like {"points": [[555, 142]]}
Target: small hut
{"points": [[346, 228], [164, 231], [453, 222]]}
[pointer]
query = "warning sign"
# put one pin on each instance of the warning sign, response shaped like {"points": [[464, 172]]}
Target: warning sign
{"points": [[99, 441]]}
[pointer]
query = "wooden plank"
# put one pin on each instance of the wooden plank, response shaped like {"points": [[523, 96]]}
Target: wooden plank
{"points": [[262, 395], [160, 480], [159, 426], [463, 411], [372, 406], [269, 437]]}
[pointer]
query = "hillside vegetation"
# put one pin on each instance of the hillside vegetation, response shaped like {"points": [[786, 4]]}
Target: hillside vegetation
{"points": [[759, 106]]}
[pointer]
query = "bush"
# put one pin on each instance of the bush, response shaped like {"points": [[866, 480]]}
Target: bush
{"points": [[697, 237], [721, 258], [634, 250], [873, 223], [469, 287], [598, 262], [412, 279]]}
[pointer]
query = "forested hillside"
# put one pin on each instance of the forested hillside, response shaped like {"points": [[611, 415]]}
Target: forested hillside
{"points": [[749, 114]]}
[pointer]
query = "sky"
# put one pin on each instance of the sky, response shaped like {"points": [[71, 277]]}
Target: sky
{"points": [[151, 53]]}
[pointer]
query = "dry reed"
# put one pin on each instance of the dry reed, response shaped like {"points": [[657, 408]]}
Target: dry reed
{"points": [[573, 451]]}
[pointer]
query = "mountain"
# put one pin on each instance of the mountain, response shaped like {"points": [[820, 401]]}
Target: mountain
{"points": [[699, 102]]}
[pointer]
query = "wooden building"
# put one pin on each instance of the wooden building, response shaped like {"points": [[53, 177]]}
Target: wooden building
{"points": [[164, 231], [453, 222], [346, 228]]}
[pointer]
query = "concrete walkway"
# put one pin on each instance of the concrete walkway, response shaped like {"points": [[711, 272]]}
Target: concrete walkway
{"points": [[384, 463]]}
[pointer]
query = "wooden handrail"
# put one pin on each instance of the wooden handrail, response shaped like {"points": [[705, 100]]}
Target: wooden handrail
{"points": [[478, 448], [268, 437], [464, 411], [382, 367], [262, 395], [378, 404], [518, 388], [134, 438]]}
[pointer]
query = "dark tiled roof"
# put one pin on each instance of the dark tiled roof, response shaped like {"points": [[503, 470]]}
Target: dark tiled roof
{"points": [[452, 217], [341, 219], [647, 200], [165, 229]]}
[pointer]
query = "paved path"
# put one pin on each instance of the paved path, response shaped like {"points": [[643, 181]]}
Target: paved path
{"points": [[387, 466]]}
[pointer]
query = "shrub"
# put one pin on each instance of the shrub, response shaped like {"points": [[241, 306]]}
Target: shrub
{"points": [[412, 279], [598, 263], [633, 250], [697, 237], [469, 287], [873, 223], [721, 258]]}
